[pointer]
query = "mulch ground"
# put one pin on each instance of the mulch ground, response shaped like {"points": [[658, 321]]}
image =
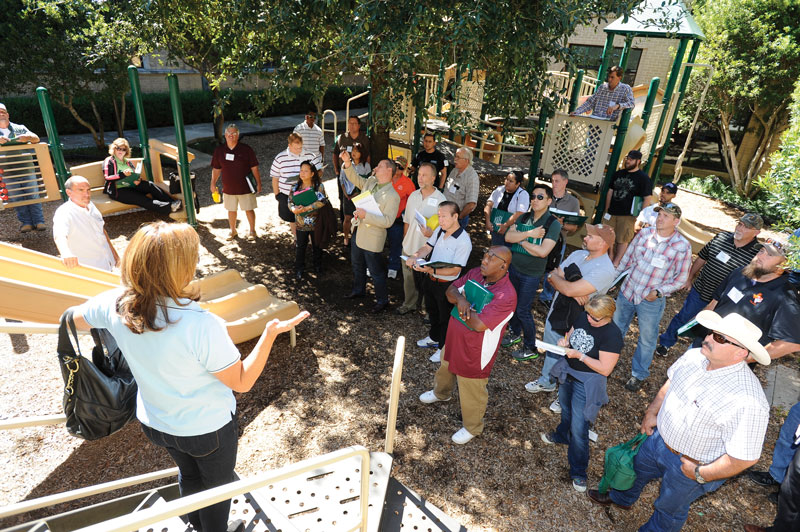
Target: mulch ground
{"points": [[331, 391]]}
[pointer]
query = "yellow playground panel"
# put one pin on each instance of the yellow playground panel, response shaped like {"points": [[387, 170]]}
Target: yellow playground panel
{"points": [[27, 175]]}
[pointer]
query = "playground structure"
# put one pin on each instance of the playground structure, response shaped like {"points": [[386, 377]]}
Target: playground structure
{"points": [[345, 490]]}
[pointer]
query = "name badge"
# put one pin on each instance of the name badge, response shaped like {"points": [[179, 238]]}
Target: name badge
{"points": [[735, 294], [446, 163], [659, 262], [228, 156], [606, 216], [453, 189], [433, 202], [723, 257]]}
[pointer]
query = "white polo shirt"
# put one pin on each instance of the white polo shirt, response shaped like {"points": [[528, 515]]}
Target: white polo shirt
{"points": [[83, 229], [454, 249]]}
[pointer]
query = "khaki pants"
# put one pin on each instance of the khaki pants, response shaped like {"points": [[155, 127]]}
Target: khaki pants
{"points": [[409, 288], [472, 394]]}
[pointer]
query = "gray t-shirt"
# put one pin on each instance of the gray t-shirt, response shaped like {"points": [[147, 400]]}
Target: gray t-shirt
{"points": [[566, 203], [598, 271]]}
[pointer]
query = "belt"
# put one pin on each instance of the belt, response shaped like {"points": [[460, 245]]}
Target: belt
{"points": [[676, 453], [436, 279]]}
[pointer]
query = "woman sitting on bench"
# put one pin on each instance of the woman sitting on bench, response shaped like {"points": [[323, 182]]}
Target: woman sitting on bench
{"points": [[125, 185]]}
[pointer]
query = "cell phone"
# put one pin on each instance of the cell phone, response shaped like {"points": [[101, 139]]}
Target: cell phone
{"points": [[349, 149]]}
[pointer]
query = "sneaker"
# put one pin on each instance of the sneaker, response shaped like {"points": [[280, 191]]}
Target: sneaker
{"points": [[41, 227], [404, 310], [251, 236], [579, 484], [662, 351], [427, 342], [436, 357], [762, 478], [547, 437], [175, 206], [633, 384], [462, 436], [429, 397], [159, 203], [27, 228], [524, 353], [535, 387], [592, 436], [555, 406], [392, 274], [510, 339]]}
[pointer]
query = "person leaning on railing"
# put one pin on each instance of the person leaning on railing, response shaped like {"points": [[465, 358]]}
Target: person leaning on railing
{"points": [[182, 358]]}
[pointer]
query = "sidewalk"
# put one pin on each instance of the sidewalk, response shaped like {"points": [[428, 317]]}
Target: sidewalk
{"points": [[272, 124]]}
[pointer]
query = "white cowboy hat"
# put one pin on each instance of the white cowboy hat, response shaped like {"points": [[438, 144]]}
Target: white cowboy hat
{"points": [[735, 326]]}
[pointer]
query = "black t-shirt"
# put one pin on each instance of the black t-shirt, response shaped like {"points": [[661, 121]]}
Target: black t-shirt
{"points": [[436, 158], [771, 306], [505, 200], [591, 340], [626, 185]]}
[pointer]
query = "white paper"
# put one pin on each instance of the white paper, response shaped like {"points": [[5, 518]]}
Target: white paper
{"points": [[368, 203], [559, 211], [552, 348], [228, 156], [735, 294], [420, 219], [723, 257], [138, 169]]}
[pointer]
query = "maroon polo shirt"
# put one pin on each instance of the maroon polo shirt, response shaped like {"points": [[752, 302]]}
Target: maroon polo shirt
{"points": [[235, 165]]}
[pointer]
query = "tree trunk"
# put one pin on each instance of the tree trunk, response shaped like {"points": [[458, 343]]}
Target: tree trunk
{"points": [[99, 141], [219, 118], [116, 117], [100, 126]]}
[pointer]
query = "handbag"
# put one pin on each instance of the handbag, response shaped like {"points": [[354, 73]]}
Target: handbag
{"points": [[618, 472], [99, 394]]}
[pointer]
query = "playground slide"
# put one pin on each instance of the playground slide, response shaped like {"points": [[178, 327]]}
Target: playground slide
{"points": [[697, 237], [36, 287]]}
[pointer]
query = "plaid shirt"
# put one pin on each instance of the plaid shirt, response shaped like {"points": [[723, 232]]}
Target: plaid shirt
{"points": [[707, 414], [599, 101], [655, 265]]}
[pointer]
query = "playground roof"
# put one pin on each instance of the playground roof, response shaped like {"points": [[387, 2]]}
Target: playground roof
{"points": [[658, 18]]}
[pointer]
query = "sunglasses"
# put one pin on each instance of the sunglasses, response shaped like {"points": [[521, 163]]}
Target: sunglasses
{"points": [[120, 149], [777, 244], [594, 318], [718, 338], [539, 197], [492, 255]]}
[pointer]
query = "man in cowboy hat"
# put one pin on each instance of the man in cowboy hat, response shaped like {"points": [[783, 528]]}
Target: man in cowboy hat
{"points": [[706, 424]]}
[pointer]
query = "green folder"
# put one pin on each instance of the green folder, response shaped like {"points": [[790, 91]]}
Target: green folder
{"points": [[478, 297], [691, 330], [570, 217], [636, 205], [305, 197], [499, 217], [517, 248]]}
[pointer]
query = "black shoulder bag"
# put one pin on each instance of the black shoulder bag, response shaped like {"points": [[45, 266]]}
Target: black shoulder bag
{"points": [[99, 394]]}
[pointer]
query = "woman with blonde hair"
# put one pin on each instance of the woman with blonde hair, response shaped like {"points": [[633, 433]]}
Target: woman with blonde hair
{"points": [[124, 185], [592, 348], [182, 358]]}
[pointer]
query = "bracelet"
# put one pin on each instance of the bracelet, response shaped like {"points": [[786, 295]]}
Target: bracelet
{"points": [[583, 355]]}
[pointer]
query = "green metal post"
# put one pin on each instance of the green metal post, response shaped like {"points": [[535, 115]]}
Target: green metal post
{"points": [[576, 91], [652, 92], [626, 52], [180, 140], [536, 156], [141, 123], [613, 162], [439, 89], [668, 90], [608, 49], [369, 112], [682, 91], [62, 174]]}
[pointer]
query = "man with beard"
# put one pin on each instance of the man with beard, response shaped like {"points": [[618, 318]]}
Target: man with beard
{"points": [[723, 254], [761, 293], [626, 185]]}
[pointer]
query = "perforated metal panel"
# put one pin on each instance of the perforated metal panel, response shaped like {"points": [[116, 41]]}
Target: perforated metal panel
{"points": [[578, 144], [405, 510]]}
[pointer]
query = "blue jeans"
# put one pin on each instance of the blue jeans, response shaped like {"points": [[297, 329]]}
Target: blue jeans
{"points": [[395, 236], [689, 310], [547, 289], [649, 313], [574, 429], [677, 493], [363, 259], [522, 321], [26, 214], [464, 222], [551, 337], [204, 461], [784, 445]]}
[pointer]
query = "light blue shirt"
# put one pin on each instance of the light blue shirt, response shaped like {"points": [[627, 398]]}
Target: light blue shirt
{"points": [[173, 367]]}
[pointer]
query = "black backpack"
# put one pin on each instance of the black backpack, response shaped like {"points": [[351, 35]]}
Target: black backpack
{"points": [[554, 257]]}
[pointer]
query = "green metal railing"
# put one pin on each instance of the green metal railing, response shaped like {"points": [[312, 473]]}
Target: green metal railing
{"points": [[62, 174], [141, 123], [180, 140]]}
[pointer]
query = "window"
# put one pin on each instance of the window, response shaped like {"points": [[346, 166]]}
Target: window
{"points": [[589, 57]]}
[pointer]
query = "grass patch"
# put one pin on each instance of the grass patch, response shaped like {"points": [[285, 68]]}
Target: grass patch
{"points": [[718, 189]]}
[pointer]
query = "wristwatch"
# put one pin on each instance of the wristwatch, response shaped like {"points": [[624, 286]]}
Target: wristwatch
{"points": [[659, 294], [697, 476]]}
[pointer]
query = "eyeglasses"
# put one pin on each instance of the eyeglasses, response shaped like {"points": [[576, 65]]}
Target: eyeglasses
{"points": [[492, 255], [722, 340], [539, 197], [594, 318], [120, 149]]}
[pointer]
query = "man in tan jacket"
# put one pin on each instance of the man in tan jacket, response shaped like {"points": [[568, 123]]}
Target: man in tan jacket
{"points": [[370, 229]]}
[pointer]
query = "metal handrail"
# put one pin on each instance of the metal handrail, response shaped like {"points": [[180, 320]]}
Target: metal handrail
{"points": [[191, 503], [347, 107], [335, 124], [58, 498]]}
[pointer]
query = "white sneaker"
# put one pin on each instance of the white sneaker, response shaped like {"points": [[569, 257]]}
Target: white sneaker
{"points": [[535, 387], [436, 357], [462, 436], [427, 342], [592, 436], [392, 274], [430, 397], [175, 205], [555, 406]]}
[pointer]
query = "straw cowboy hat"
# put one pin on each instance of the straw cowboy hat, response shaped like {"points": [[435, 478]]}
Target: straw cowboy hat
{"points": [[743, 331]]}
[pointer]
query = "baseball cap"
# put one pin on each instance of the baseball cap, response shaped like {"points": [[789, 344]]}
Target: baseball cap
{"points": [[606, 232], [402, 161], [669, 208], [3, 107], [752, 220], [635, 154], [672, 188]]}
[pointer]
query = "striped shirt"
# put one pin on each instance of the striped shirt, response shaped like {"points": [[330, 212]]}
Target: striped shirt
{"points": [[286, 167], [600, 101], [707, 414], [722, 257], [655, 264], [313, 138]]}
